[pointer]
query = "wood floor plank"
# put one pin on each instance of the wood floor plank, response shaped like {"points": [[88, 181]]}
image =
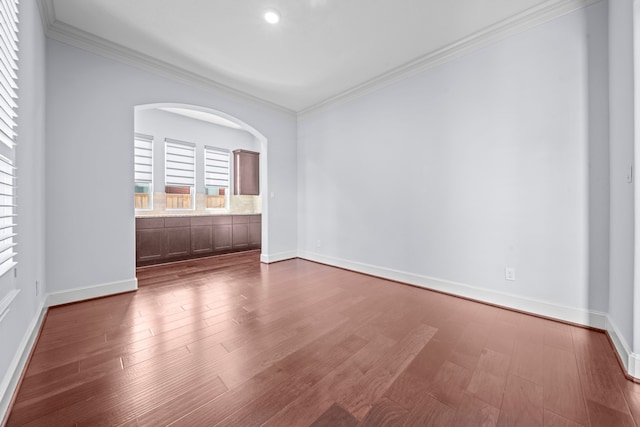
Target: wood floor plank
{"points": [[302, 377], [385, 413], [475, 412], [335, 386], [554, 420], [601, 415], [335, 416], [450, 384], [631, 392], [490, 377], [430, 412], [528, 360], [503, 336], [561, 385], [470, 345], [522, 405], [378, 379], [230, 341]]}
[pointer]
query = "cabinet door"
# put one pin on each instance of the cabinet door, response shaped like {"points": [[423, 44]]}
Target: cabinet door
{"points": [[255, 234], [178, 241], [201, 240], [247, 172], [222, 237], [240, 236], [150, 244]]}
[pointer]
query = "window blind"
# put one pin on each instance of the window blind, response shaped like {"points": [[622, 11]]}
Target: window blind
{"points": [[8, 68], [216, 167], [180, 163], [8, 114], [143, 158], [7, 215]]}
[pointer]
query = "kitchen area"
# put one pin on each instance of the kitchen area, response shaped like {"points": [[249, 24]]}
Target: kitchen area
{"points": [[197, 186]]}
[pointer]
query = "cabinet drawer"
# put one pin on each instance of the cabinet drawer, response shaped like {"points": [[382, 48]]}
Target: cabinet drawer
{"points": [[221, 220], [198, 221], [241, 219], [145, 223], [177, 222]]}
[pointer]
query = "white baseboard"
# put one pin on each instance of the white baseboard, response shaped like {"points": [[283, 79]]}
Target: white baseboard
{"points": [[282, 256], [530, 305], [578, 316], [10, 382], [630, 360], [97, 291]]}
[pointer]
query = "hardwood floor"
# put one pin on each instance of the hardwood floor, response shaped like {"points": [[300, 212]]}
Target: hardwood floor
{"points": [[229, 341]]}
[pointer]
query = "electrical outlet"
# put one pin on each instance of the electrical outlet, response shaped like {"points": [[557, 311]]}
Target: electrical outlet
{"points": [[318, 243], [510, 273], [37, 288]]}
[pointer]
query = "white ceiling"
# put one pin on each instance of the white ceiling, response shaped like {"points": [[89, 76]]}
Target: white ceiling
{"points": [[320, 50]]}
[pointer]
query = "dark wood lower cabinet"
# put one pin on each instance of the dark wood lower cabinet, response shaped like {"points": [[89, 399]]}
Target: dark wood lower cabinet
{"points": [[178, 242], [222, 237], [201, 240], [240, 233], [150, 244], [165, 239], [255, 234]]}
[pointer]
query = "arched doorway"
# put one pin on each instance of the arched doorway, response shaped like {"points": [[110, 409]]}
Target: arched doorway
{"points": [[208, 131]]}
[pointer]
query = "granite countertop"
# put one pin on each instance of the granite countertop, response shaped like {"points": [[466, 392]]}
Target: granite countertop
{"points": [[182, 215]]}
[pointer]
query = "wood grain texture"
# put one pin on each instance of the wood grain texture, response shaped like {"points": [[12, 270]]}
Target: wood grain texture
{"points": [[230, 341], [522, 404]]}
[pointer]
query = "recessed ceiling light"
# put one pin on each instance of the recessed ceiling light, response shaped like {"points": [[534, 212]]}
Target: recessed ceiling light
{"points": [[272, 16]]}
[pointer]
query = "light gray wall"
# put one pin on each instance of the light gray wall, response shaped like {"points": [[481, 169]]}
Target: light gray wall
{"points": [[621, 141], [162, 124], [598, 137], [89, 175], [471, 166], [30, 195]]}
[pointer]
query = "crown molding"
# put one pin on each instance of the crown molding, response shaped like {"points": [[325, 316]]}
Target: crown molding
{"points": [[47, 13], [73, 36], [525, 20]]}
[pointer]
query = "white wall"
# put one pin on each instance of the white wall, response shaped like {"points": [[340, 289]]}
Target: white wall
{"points": [[16, 327], [162, 124], [471, 166], [90, 125], [621, 142]]}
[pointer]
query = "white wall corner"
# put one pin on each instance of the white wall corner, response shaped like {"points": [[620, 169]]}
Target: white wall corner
{"points": [[630, 360], [18, 364], [282, 256], [529, 305], [97, 291]]}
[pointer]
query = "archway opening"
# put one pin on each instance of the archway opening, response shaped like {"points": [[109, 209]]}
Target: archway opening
{"points": [[193, 161]]}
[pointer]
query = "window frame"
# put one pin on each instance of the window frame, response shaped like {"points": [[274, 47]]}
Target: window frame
{"points": [[146, 139], [175, 179], [217, 151]]}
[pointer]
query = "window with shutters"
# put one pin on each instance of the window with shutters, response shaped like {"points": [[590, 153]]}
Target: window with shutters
{"points": [[8, 114], [180, 174], [7, 215], [216, 177], [143, 146]]}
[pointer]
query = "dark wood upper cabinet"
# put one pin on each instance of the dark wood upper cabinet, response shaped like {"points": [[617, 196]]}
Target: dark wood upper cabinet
{"points": [[247, 173]]}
